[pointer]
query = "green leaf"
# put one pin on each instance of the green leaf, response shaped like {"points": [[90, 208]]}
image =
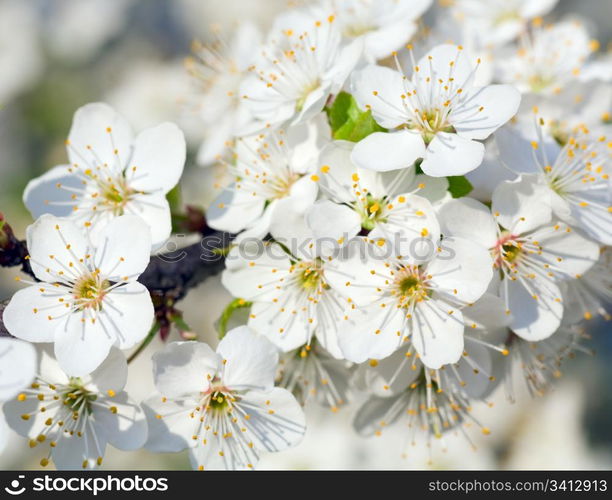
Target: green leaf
{"points": [[175, 199], [223, 321], [348, 122], [459, 186], [337, 114], [417, 166]]}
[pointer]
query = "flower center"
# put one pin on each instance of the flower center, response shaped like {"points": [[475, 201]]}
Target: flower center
{"points": [[89, 291], [507, 16], [219, 399], [281, 184], [410, 286], [306, 91], [113, 192], [372, 212], [507, 250], [310, 276], [76, 397], [538, 82], [430, 122], [357, 29]]}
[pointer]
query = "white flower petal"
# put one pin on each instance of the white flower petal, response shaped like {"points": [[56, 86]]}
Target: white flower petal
{"points": [[158, 159], [534, 8], [44, 195], [382, 42], [533, 319], [462, 270], [253, 270], [376, 409], [313, 104], [111, 375], [380, 89], [372, 333], [346, 61], [216, 142], [17, 366], [154, 209], [337, 171], [516, 149], [127, 314], [469, 219], [474, 383], [27, 314], [285, 330], [451, 155], [521, 205], [234, 209], [249, 360], [124, 248], [484, 110], [566, 250], [276, 422], [437, 62], [383, 151], [125, 427], [487, 313], [358, 271], [327, 219], [99, 135], [391, 375], [170, 427], [72, 451], [594, 219], [437, 335], [184, 368], [52, 244], [411, 224], [81, 345]]}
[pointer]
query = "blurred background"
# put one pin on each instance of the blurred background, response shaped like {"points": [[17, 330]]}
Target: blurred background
{"points": [[56, 55]]}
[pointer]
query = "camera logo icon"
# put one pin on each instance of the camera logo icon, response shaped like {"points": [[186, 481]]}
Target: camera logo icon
{"points": [[14, 487]]}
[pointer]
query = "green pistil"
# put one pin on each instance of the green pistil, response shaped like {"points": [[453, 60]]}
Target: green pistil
{"points": [[511, 252], [372, 213], [311, 276], [409, 285], [309, 279], [75, 396], [219, 402]]}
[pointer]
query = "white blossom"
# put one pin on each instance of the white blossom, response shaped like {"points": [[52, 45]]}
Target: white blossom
{"points": [[17, 369], [221, 405], [265, 170], [87, 298], [219, 69], [384, 25], [532, 255], [301, 65], [392, 298], [74, 418], [438, 114], [111, 173], [547, 59]]}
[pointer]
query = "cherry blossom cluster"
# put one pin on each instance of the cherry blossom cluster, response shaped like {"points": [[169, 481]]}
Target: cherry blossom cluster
{"points": [[420, 208]]}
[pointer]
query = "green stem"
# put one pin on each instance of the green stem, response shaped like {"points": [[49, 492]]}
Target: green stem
{"points": [[178, 320], [150, 336]]}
